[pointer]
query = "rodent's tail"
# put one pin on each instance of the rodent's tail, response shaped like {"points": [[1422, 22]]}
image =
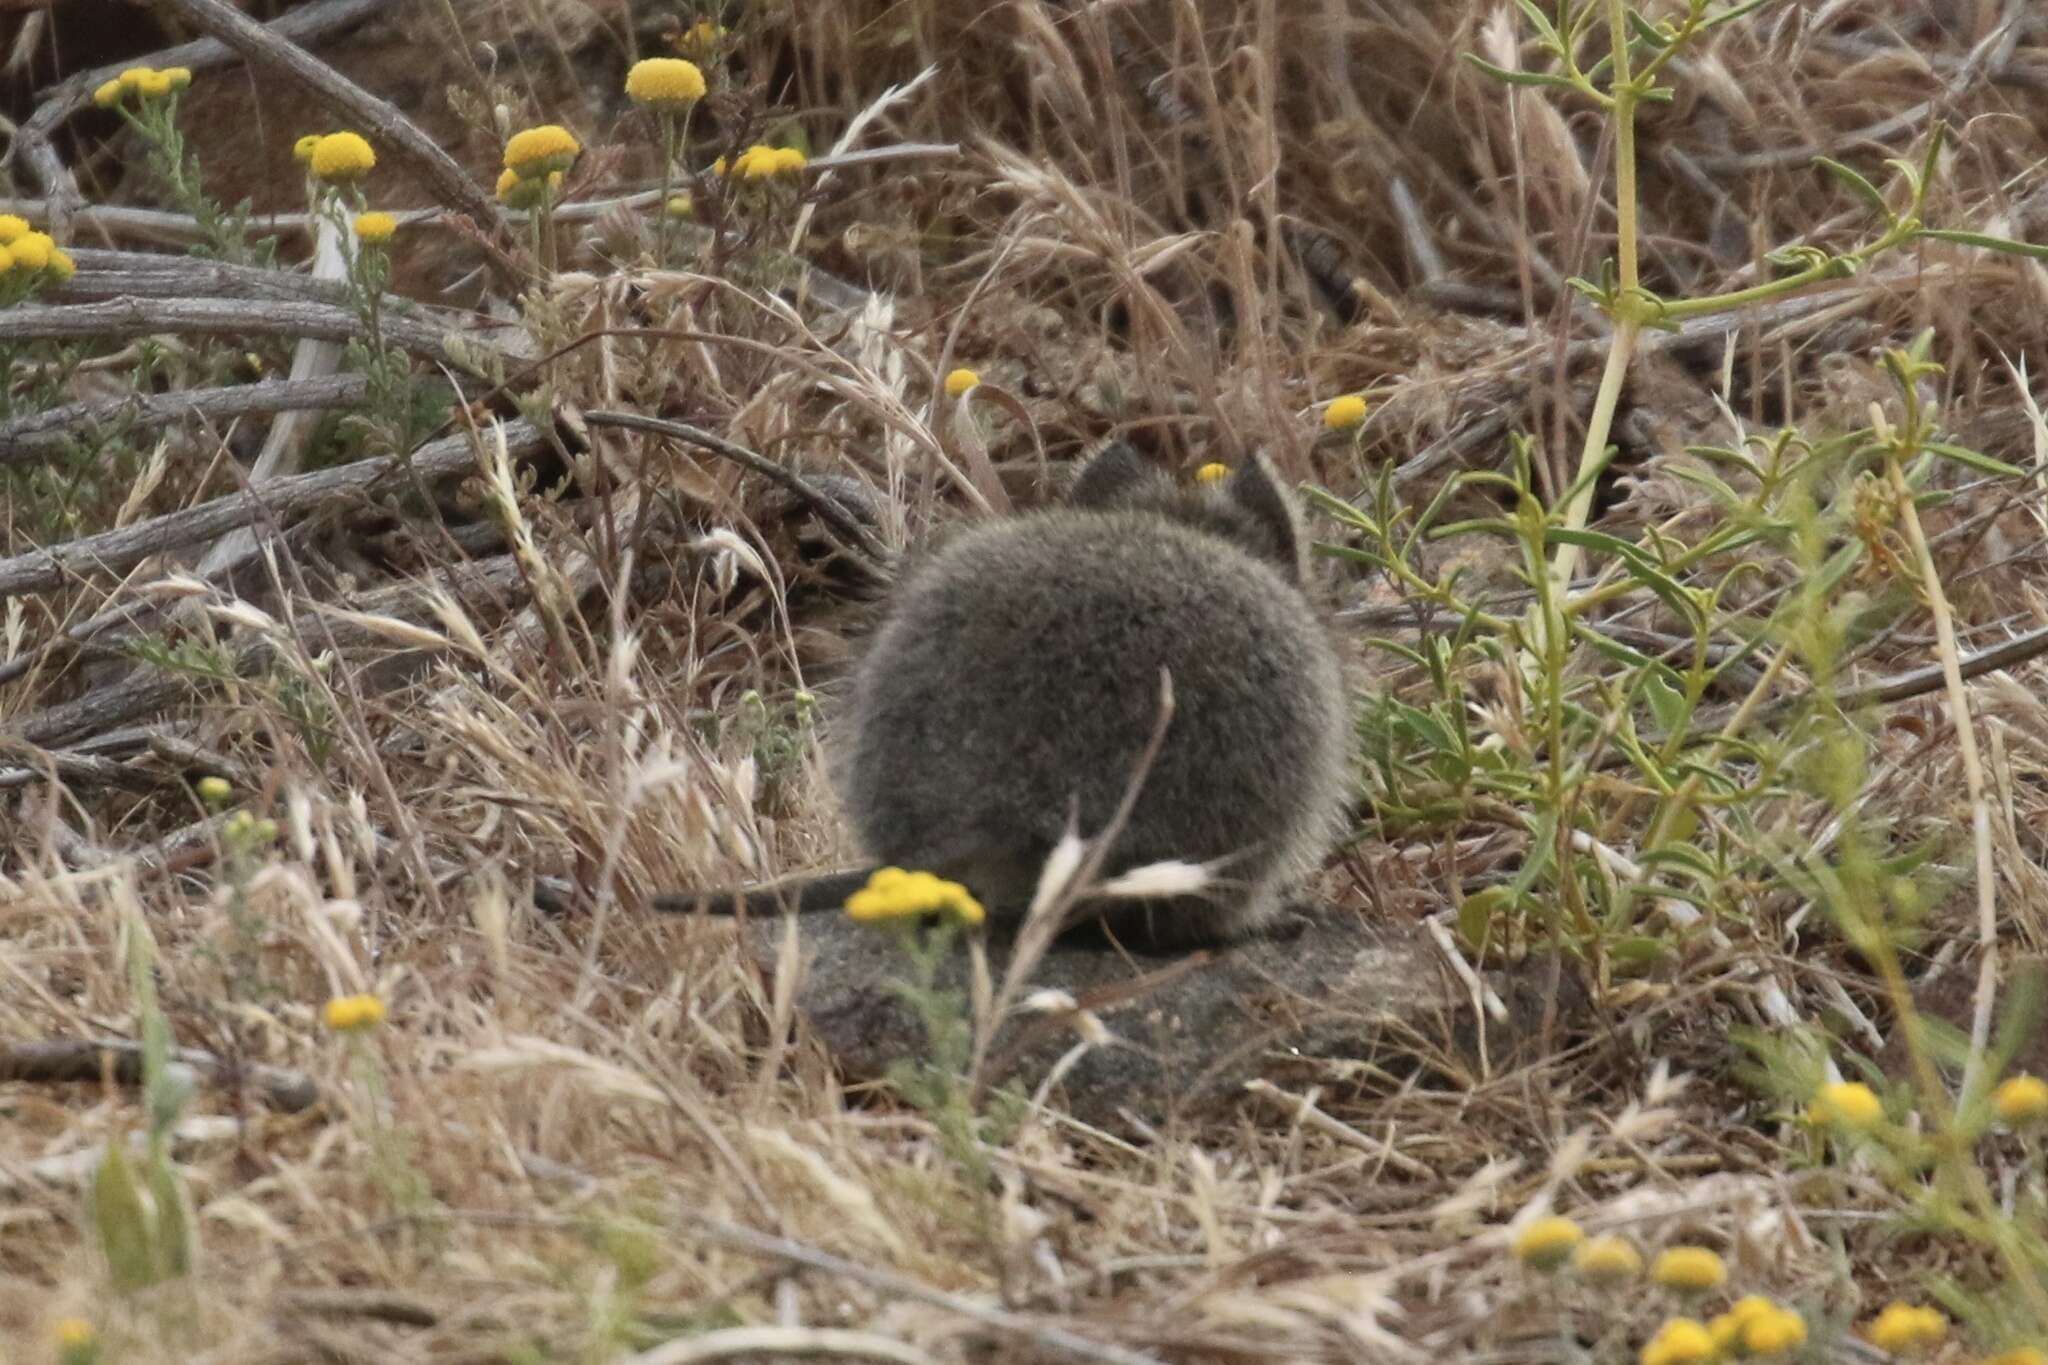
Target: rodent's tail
{"points": [[826, 891]]}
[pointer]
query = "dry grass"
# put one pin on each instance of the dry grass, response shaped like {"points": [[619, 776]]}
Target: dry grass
{"points": [[1185, 223]]}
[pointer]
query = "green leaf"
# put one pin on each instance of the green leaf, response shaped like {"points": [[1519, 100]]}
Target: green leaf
{"points": [[1501, 73], [1667, 703], [1975, 459], [122, 1221], [1988, 242], [1640, 566], [1856, 184], [1477, 912], [1731, 14]]}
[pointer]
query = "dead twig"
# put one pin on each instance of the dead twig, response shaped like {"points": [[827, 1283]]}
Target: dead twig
{"points": [[125, 318], [379, 120], [77, 1059], [282, 500], [33, 145], [828, 508], [42, 434]]}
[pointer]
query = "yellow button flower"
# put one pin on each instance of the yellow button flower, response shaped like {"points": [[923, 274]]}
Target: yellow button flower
{"points": [[6, 260], [960, 381], [12, 227], [533, 152], [789, 160], [154, 85], [1607, 1260], [718, 167], [1344, 413], [342, 156], [179, 76], [892, 893], [132, 78], [669, 84], [1774, 1333], [1851, 1104], [2019, 1355], [699, 40], [1904, 1329], [375, 227], [1547, 1242], [756, 163], [302, 150], [2022, 1100], [1681, 1341], [1689, 1269], [1213, 472], [32, 250], [108, 94], [680, 206], [352, 1013], [78, 1341], [61, 265]]}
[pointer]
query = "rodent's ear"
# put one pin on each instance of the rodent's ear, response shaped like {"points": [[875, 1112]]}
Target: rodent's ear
{"points": [[1256, 488], [1116, 477]]}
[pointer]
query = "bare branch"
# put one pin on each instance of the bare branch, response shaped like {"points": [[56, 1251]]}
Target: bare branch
{"points": [[285, 499], [125, 318], [379, 119], [40, 434], [68, 1059]]}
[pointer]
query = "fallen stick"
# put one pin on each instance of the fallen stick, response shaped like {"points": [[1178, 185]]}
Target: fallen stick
{"points": [[82, 1060], [126, 318], [378, 119], [33, 137], [281, 501], [42, 434]]}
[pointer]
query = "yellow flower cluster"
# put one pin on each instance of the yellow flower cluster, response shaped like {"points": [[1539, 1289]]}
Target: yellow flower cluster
{"points": [[142, 82], [667, 84], [24, 249], [761, 161], [2022, 1100], [78, 1341], [533, 153], [1903, 1328], [525, 194], [2019, 1355], [1547, 1242], [1845, 1104], [1344, 413], [215, 790], [1681, 1341], [1213, 472], [1756, 1329], [352, 1013], [242, 827], [893, 893], [1607, 1260], [1690, 1270], [960, 381], [336, 157], [699, 40], [375, 228]]}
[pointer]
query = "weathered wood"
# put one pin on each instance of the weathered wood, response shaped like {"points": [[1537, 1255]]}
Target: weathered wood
{"points": [[281, 501], [41, 434]]}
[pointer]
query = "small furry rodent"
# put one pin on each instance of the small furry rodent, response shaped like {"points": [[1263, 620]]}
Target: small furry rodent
{"points": [[1014, 683]]}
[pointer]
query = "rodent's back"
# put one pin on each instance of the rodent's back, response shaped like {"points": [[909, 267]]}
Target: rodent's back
{"points": [[1017, 673]]}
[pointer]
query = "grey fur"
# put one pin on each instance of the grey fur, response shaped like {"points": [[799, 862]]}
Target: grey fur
{"points": [[1015, 679]]}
